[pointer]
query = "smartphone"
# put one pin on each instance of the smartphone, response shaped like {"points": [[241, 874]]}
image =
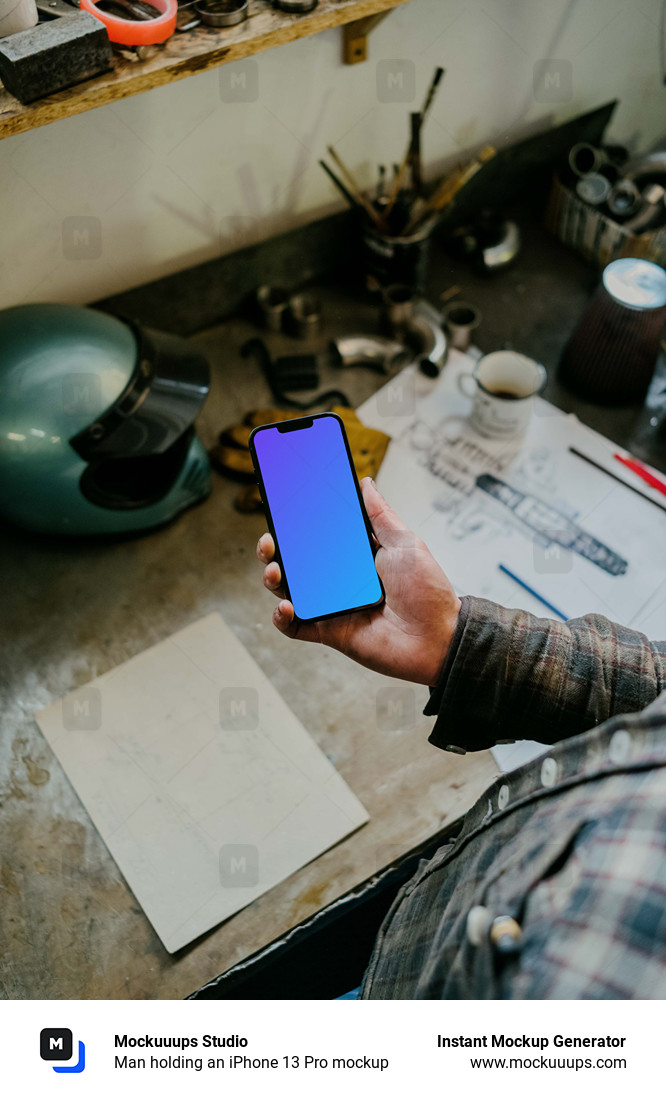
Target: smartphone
{"points": [[315, 512]]}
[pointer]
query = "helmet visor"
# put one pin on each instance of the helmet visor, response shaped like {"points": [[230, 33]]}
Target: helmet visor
{"points": [[161, 400]]}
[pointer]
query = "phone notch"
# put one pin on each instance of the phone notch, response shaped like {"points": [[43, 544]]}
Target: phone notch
{"points": [[295, 425]]}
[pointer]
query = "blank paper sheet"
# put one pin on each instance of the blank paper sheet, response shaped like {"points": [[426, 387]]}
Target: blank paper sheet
{"points": [[204, 786]]}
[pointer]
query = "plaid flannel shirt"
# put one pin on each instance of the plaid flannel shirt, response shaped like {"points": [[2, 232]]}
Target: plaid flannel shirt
{"points": [[572, 846]]}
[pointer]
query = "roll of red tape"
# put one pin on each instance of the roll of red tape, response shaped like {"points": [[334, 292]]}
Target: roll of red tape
{"points": [[137, 32]]}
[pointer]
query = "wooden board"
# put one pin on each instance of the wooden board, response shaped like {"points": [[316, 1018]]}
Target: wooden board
{"points": [[183, 55]]}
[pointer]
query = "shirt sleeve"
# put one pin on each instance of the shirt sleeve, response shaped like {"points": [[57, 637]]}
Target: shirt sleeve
{"points": [[512, 676]]}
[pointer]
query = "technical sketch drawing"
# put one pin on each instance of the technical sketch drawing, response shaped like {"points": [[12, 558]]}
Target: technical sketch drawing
{"points": [[552, 525]]}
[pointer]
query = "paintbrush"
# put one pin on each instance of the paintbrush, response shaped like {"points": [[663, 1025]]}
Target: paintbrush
{"points": [[439, 73], [355, 190], [381, 182], [427, 104], [448, 188], [340, 185], [416, 120]]}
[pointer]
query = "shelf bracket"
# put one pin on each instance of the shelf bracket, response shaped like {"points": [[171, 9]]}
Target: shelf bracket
{"points": [[355, 37]]}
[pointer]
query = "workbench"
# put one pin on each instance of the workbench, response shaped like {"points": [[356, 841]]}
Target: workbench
{"points": [[69, 926]]}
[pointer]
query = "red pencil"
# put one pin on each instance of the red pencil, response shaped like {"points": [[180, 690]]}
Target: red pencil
{"points": [[642, 471]]}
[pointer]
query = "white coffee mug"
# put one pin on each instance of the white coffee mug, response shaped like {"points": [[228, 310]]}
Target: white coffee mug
{"points": [[502, 386]]}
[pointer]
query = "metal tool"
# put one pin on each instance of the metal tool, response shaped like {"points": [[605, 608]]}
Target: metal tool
{"points": [[460, 321], [129, 9], [53, 8], [304, 315], [221, 13], [272, 303], [296, 7]]}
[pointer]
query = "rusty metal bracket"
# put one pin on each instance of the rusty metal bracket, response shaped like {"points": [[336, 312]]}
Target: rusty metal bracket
{"points": [[355, 37]]}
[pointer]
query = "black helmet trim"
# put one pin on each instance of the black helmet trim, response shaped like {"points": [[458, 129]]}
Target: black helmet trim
{"points": [[128, 484], [166, 391]]}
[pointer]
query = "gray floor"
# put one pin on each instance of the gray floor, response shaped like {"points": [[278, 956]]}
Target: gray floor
{"points": [[69, 927]]}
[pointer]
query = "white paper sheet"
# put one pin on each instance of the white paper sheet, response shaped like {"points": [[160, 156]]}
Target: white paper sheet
{"points": [[544, 494], [205, 787]]}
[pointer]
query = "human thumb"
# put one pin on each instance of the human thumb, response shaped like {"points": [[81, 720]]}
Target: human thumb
{"points": [[387, 526]]}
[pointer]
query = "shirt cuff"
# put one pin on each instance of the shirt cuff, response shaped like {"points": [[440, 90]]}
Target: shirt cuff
{"points": [[512, 676], [479, 648], [437, 690]]}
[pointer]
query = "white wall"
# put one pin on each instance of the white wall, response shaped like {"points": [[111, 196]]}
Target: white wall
{"points": [[177, 175]]}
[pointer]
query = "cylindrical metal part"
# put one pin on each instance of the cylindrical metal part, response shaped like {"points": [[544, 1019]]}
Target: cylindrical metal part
{"points": [[305, 315], [585, 158], [593, 188], [221, 13], [272, 302], [624, 199], [460, 320], [296, 7], [397, 308]]}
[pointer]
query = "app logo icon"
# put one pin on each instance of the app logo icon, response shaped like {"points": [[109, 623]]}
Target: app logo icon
{"points": [[56, 1044]]}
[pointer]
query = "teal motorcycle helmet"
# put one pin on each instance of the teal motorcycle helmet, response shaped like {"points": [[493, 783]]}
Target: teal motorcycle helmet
{"points": [[97, 422]]}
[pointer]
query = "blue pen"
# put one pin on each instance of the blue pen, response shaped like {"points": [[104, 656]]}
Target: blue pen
{"points": [[532, 592]]}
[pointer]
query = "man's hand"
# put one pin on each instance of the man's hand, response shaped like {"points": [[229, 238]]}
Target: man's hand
{"points": [[409, 635]]}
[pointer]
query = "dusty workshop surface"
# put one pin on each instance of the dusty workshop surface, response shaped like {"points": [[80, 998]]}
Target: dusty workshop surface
{"points": [[69, 926]]}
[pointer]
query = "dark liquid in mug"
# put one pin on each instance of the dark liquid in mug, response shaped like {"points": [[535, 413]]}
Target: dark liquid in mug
{"points": [[508, 394]]}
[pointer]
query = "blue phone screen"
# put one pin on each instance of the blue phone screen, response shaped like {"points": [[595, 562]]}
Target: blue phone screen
{"points": [[321, 533]]}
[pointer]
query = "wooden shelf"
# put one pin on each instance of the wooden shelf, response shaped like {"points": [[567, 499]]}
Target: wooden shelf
{"points": [[188, 53]]}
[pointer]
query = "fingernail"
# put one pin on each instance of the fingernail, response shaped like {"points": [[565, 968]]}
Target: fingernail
{"points": [[278, 614]]}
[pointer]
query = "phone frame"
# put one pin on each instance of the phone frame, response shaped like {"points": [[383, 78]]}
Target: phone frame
{"points": [[298, 424]]}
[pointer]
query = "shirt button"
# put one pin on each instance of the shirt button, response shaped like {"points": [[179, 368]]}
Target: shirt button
{"points": [[619, 747], [506, 935], [478, 923], [503, 797], [548, 772]]}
